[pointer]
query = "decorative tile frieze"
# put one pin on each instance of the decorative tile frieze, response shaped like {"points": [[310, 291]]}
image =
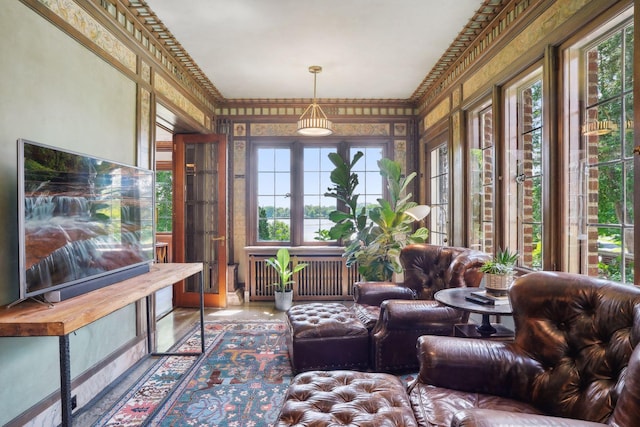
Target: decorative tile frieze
{"points": [[339, 129], [273, 129], [400, 154], [488, 25], [456, 131], [256, 110], [239, 158], [79, 19], [144, 134], [438, 113], [142, 24], [552, 18], [145, 71], [400, 145], [400, 129], [362, 129], [456, 97], [240, 129], [178, 99]]}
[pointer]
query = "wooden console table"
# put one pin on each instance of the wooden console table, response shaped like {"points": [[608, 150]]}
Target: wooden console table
{"points": [[30, 318]]}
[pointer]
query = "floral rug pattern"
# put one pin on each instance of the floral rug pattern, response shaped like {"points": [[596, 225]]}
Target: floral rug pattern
{"points": [[240, 382]]}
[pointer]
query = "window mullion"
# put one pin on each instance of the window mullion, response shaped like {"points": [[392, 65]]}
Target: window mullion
{"points": [[297, 210]]}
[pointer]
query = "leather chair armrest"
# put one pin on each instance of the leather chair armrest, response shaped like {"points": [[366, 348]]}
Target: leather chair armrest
{"points": [[476, 365], [492, 417], [465, 269], [417, 314], [373, 293]]}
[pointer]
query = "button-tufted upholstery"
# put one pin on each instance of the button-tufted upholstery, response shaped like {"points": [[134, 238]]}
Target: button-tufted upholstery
{"points": [[326, 336], [397, 314], [575, 356], [346, 398], [430, 268], [321, 320]]}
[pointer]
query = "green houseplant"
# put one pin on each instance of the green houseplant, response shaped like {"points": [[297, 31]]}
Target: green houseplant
{"points": [[373, 235], [281, 264], [499, 271]]}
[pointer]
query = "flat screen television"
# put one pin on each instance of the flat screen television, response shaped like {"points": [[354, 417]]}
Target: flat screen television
{"points": [[84, 222]]}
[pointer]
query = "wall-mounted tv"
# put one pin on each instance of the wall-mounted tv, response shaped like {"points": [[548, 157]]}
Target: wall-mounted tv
{"points": [[84, 222]]}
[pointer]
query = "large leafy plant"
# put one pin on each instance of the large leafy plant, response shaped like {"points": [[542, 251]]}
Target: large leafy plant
{"points": [[374, 235], [353, 219], [281, 263]]}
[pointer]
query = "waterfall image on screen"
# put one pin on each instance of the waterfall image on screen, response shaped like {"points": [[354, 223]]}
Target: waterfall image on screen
{"points": [[82, 217]]}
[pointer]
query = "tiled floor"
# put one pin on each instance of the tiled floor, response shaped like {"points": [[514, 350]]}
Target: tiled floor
{"points": [[170, 329]]}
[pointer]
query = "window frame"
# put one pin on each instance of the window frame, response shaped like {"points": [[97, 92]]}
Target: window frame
{"points": [[514, 180], [164, 166], [579, 247], [343, 145], [438, 221], [477, 133]]}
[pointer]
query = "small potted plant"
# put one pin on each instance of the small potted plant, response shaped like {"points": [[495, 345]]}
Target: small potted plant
{"points": [[498, 272], [283, 293]]}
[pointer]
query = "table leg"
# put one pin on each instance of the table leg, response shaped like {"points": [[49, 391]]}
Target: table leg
{"points": [[150, 346], [65, 381], [202, 312], [485, 329]]}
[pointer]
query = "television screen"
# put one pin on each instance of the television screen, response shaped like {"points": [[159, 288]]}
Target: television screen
{"points": [[84, 222]]}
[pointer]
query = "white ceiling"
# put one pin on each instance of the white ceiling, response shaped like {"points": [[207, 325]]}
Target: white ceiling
{"points": [[262, 49]]}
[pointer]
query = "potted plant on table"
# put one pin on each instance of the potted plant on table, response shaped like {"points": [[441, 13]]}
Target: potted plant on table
{"points": [[499, 271], [281, 264], [374, 235]]}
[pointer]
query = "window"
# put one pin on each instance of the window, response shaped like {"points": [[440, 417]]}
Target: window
{"points": [[164, 201], [164, 183], [370, 181], [316, 181], [481, 177], [602, 176], [437, 158], [525, 174], [290, 182], [274, 194]]}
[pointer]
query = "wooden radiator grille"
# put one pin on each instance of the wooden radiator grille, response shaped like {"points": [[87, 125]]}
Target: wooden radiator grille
{"points": [[326, 277]]}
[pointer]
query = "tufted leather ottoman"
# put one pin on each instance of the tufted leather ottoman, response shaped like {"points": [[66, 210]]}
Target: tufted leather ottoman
{"points": [[326, 336], [340, 398]]}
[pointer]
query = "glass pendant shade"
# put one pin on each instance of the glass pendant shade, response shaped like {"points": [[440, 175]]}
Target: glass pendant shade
{"points": [[599, 127], [418, 212], [313, 121]]}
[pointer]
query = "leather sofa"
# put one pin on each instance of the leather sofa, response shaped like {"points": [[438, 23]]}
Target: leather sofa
{"points": [[397, 314], [575, 361]]}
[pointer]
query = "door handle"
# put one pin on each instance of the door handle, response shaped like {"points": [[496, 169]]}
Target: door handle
{"points": [[221, 239]]}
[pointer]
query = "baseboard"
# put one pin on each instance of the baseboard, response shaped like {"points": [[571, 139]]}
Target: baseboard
{"points": [[85, 387]]}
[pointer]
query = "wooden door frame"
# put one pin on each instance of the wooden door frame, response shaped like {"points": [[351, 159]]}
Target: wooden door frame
{"points": [[184, 299]]}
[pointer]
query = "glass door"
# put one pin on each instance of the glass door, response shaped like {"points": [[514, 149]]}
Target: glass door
{"points": [[199, 232]]}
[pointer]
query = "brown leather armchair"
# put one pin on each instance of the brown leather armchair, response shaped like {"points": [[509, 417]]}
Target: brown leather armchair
{"points": [[397, 314], [575, 361]]}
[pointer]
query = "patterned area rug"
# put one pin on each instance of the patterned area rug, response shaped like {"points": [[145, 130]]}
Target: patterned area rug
{"points": [[240, 382]]}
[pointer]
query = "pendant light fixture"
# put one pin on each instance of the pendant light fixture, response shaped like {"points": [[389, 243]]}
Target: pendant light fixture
{"points": [[313, 122], [598, 127], [419, 212]]}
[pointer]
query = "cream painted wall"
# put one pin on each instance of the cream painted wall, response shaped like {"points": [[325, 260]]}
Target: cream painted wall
{"points": [[54, 91]]}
